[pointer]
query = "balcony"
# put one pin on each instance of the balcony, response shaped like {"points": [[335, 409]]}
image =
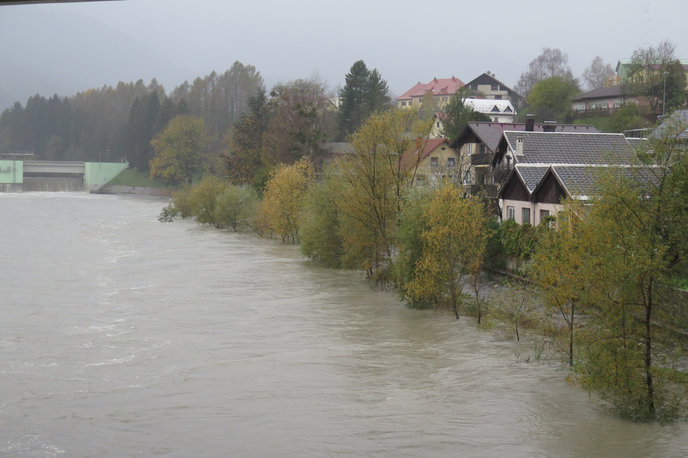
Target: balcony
{"points": [[594, 113], [481, 159], [485, 190]]}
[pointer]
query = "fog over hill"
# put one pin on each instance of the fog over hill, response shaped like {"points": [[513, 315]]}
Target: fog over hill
{"points": [[69, 47], [63, 53]]}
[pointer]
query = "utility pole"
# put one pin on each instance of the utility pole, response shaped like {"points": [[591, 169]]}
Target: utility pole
{"points": [[664, 96]]}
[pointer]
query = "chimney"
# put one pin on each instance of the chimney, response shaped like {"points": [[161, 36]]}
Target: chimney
{"points": [[549, 126], [530, 123], [519, 146]]}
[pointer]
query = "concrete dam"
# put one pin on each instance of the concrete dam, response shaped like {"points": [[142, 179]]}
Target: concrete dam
{"points": [[20, 176]]}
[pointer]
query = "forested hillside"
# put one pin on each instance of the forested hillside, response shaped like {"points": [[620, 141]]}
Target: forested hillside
{"points": [[118, 123]]}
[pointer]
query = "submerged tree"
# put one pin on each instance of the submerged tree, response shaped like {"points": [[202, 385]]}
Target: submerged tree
{"points": [[377, 185], [453, 248], [285, 196], [557, 269], [632, 242], [321, 238]]}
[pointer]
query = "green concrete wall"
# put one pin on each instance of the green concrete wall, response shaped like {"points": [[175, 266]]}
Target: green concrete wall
{"points": [[11, 172], [98, 174]]}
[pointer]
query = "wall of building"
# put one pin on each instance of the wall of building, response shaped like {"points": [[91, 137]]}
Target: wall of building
{"points": [[11, 172], [535, 208], [553, 210], [98, 174], [442, 169], [491, 93]]}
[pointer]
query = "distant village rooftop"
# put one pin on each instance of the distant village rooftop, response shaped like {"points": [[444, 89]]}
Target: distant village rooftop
{"points": [[443, 86]]}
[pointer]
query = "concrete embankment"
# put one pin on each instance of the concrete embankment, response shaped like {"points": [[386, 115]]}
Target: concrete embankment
{"points": [[138, 190]]}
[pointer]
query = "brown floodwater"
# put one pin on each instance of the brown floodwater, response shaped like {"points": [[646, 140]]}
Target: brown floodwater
{"points": [[122, 336]]}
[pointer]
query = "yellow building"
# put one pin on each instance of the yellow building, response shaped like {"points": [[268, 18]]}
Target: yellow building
{"points": [[436, 160]]}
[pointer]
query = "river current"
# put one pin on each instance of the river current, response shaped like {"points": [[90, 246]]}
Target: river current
{"points": [[122, 336]]}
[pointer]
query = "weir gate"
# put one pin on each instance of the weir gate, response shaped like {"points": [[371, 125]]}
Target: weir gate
{"points": [[19, 176]]}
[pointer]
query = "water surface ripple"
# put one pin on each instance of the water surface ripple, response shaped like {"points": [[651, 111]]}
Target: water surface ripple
{"points": [[122, 337]]}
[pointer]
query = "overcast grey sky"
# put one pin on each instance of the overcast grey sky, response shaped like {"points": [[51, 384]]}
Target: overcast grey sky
{"points": [[64, 48]]}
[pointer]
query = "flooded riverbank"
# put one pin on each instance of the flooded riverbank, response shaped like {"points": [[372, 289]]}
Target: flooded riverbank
{"points": [[123, 336]]}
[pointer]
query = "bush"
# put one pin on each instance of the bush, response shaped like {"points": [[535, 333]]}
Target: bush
{"points": [[321, 239], [235, 207], [203, 200], [180, 201]]}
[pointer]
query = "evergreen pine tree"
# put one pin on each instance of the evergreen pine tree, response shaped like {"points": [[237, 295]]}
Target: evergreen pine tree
{"points": [[365, 92]]}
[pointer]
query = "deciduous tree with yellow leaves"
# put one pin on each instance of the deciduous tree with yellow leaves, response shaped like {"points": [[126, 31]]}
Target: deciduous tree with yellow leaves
{"points": [[376, 189], [454, 246], [285, 196]]}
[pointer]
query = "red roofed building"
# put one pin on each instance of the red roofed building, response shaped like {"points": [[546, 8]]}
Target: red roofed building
{"points": [[442, 89]]}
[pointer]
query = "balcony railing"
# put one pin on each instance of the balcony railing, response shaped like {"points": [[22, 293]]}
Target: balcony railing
{"points": [[481, 159], [594, 113], [485, 190]]}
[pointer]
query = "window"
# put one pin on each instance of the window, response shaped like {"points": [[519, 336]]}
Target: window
{"points": [[482, 148], [434, 162], [526, 216], [498, 97], [543, 214], [403, 104], [495, 87], [510, 213], [451, 161], [469, 148], [444, 99]]}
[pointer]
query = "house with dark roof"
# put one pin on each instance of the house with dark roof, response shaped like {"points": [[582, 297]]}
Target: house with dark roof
{"points": [[441, 89], [678, 119], [493, 89], [603, 102], [546, 167], [478, 142]]}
